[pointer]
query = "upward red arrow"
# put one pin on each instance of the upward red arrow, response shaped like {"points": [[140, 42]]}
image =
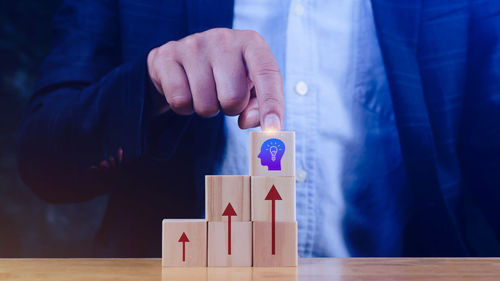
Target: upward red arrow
{"points": [[229, 212], [183, 239], [273, 195]]}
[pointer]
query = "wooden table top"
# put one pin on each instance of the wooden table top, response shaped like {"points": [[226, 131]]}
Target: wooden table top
{"points": [[308, 269]]}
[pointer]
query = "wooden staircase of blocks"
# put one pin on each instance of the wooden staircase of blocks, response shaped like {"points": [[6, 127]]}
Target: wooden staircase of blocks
{"points": [[250, 220]]}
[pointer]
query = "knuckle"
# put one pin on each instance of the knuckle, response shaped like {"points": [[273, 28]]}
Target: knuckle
{"points": [[230, 102], [153, 54], [254, 36], [179, 101], [221, 39], [270, 99], [220, 35], [192, 43], [206, 111], [168, 50], [268, 70]]}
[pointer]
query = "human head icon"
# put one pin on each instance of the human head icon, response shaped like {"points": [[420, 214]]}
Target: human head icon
{"points": [[271, 152]]}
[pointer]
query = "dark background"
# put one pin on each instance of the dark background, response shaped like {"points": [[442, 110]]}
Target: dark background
{"points": [[30, 227]]}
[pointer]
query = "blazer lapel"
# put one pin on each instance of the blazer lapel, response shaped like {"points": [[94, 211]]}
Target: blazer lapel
{"points": [[431, 229]]}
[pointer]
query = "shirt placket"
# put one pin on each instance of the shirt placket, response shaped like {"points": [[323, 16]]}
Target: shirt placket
{"points": [[301, 104]]}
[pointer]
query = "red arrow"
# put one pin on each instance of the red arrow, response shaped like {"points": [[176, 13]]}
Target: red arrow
{"points": [[229, 211], [183, 239], [273, 195]]}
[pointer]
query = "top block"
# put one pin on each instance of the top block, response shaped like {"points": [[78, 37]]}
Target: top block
{"points": [[272, 154]]}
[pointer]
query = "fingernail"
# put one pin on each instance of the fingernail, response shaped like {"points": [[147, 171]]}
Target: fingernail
{"points": [[272, 122]]}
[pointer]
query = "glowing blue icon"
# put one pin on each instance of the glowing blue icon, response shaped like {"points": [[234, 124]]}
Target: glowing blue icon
{"points": [[271, 152]]}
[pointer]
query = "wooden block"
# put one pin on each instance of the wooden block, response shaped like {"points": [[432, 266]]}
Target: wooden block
{"points": [[272, 153], [184, 242], [233, 274], [238, 253], [222, 190], [285, 247], [263, 195], [170, 274]]}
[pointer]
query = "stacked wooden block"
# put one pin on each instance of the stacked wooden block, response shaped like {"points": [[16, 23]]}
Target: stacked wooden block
{"points": [[227, 208], [250, 220]]}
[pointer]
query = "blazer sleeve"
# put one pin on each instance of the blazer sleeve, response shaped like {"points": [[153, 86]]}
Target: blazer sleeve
{"points": [[87, 105], [480, 142]]}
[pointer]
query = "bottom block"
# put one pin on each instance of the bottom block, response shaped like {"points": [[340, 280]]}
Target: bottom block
{"points": [[222, 273], [236, 251], [184, 242], [285, 244]]}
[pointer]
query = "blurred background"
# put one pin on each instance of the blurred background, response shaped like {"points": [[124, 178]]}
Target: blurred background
{"points": [[30, 227]]}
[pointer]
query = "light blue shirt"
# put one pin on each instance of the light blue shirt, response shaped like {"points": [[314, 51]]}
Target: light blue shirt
{"points": [[331, 64]]}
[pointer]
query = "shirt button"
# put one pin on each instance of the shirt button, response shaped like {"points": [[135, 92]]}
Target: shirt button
{"points": [[301, 88], [301, 175], [299, 10]]}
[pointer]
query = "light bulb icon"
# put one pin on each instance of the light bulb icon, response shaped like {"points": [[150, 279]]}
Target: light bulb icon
{"points": [[273, 150]]}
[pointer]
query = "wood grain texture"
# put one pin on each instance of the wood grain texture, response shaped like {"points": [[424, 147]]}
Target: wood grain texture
{"points": [[286, 244], [195, 251], [234, 274], [260, 157], [221, 190], [374, 269], [261, 208], [241, 244]]}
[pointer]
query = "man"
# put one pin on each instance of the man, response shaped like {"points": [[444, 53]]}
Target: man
{"points": [[395, 105]]}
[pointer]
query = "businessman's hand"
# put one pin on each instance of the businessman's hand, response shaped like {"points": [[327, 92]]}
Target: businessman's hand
{"points": [[219, 69]]}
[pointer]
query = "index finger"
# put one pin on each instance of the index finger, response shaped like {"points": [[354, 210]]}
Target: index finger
{"points": [[265, 75]]}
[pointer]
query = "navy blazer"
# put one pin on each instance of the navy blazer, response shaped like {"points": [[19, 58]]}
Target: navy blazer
{"points": [[94, 97]]}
